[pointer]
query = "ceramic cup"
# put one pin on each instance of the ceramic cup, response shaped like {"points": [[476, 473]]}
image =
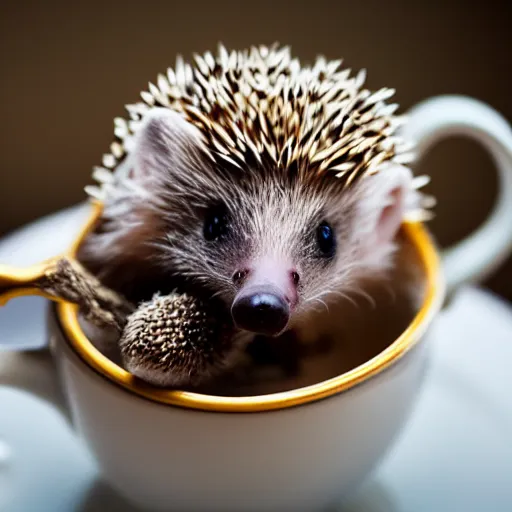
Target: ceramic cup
{"points": [[298, 450]]}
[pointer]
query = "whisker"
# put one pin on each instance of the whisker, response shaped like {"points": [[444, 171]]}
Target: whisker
{"points": [[318, 305], [217, 294], [347, 297], [365, 295], [390, 290], [324, 304], [333, 292]]}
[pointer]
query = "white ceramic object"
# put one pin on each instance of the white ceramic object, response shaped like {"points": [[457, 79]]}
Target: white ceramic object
{"points": [[474, 258], [302, 458], [455, 453]]}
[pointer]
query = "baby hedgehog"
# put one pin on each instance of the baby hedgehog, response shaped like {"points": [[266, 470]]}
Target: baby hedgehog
{"points": [[276, 187]]}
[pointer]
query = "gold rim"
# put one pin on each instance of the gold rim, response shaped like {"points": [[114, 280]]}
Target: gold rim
{"points": [[67, 314]]}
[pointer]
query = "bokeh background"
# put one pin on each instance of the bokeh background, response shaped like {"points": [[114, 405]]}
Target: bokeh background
{"points": [[68, 68]]}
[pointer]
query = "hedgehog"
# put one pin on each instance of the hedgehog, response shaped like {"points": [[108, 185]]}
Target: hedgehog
{"points": [[248, 177]]}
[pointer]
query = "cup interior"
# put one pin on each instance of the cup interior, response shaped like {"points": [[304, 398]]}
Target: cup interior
{"points": [[362, 327], [408, 302]]}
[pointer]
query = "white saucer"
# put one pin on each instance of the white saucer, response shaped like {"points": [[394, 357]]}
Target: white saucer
{"points": [[454, 455]]}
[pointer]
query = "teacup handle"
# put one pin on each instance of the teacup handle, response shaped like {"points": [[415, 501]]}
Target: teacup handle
{"points": [[476, 256], [35, 372]]}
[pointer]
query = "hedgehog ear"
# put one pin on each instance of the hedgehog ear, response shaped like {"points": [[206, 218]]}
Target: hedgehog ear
{"points": [[163, 142], [120, 248], [383, 205]]}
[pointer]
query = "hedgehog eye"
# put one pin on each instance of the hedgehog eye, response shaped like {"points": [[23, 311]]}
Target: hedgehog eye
{"points": [[215, 223], [325, 239]]}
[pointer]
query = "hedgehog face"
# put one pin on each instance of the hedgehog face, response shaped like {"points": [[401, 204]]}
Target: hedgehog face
{"points": [[285, 247], [272, 245], [283, 242]]}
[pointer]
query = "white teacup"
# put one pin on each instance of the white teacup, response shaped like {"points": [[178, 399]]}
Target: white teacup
{"points": [[297, 450]]}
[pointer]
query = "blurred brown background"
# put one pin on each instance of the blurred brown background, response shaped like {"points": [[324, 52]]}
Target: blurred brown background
{"points": [[69, 68]]}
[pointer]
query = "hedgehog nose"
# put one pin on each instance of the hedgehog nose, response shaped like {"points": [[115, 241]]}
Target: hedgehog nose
{"points": [[261, 312]]}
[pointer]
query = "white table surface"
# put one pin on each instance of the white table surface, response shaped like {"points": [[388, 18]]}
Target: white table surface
{"points": [[455, 453]]}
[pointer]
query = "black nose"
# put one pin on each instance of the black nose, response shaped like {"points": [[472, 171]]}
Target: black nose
{"points": [[261, 313]]}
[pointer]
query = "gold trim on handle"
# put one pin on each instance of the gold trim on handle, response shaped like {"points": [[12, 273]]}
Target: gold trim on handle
{"points": [[24, 281], [11, 277], [15, 293], [20, 282]]}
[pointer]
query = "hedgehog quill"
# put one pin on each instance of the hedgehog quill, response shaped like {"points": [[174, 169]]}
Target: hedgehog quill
{"points": [[275, 187]]}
